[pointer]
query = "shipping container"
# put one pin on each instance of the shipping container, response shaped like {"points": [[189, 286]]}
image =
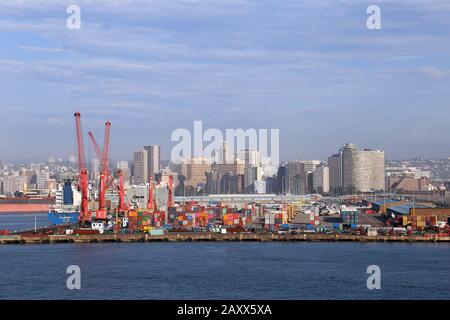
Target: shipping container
{"points": [[157, 232]]}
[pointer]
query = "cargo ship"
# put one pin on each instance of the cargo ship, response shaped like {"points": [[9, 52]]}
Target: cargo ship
{"points": [[25, 204], [65, 210], [63, 215]]}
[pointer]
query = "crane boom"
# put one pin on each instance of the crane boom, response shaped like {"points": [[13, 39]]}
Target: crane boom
{"points": [[170, 199], [105, 176], [83, 174], [106, 146], [80, 143], [122, 205], [151, 198]]}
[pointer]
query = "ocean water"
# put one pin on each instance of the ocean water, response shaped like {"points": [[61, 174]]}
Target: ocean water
{"points": [[22, 221], [201, 270]]}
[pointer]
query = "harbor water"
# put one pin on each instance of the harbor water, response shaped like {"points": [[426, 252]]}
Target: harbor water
{"points": [[226, 270], [22, 221]]}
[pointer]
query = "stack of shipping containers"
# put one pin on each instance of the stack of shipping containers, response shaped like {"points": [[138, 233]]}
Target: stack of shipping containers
{"points": [[349, 215], [314, 218], [273, 219]]}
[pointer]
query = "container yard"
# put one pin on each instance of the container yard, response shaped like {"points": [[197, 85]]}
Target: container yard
{"points": [[159, 216]]}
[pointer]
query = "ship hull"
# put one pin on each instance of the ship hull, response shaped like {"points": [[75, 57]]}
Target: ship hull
{"points": [[63, 217], [25, 205], [23, 208]]}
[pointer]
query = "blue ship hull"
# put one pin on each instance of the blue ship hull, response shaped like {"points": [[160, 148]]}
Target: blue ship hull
{"points": [[63, 217]]}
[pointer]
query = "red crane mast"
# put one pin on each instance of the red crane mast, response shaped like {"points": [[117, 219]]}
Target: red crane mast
{"points": [[85, 215], [170, 199], [150, 202], [106, 147], [122, 206], [105, 177]]}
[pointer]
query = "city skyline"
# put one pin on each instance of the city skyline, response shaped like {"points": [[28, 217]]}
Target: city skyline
{"points": [[311, 69], [245, 151], [129, 157]]}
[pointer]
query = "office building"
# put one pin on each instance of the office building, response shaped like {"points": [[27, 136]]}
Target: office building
{"points": [[140, 164], [334, 165], [251, 158], [358, 170], [42, 178], [153, 159], [321, 179]]}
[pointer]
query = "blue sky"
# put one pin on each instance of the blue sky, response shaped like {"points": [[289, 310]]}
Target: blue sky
{"points": [[309, 68]]}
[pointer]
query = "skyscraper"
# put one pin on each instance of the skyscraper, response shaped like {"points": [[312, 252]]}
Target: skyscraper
{"points": [[334, 163], [42, 178], [356, 170], [251, 157], [153, 159], [251, 175], [140, 172], [321, 179]]}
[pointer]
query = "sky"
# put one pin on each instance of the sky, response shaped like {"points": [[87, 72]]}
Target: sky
{"points": [[311, 69]]}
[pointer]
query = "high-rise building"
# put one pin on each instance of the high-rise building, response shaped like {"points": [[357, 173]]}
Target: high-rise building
{"points": [[212, 182], [302, 166], [140, 172], [12, 184], [282, 180], [294, 167], [334, 164], [192, 173], [321, 179], [42, 178], [311, 165], [251, 158], [153, 159], [297, 180], [358, 170], [369, 170], [300, 183], [252, 174]]}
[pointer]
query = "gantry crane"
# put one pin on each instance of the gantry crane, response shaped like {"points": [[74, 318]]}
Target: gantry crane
{"points": [[105, 176], [151, 202], [85, 214], [170, 197], [106, 179], [122, 205]]}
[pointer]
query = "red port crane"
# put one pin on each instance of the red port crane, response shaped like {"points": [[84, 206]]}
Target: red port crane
{"points": [[151, 201], [122, 205], [170, 198], [106, 146], [105, 177], [85, 215]]}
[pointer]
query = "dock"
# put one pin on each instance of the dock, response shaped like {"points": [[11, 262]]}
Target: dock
{"points": [[211, 237]]}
